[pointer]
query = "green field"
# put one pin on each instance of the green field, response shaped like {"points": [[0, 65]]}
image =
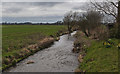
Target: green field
{"points": [[103, 59], [99, 57], [16, 37]]}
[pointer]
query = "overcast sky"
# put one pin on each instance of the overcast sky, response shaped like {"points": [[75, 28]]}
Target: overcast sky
{"points": [[40, 11]]}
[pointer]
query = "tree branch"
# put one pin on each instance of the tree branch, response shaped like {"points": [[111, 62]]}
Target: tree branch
{"points": [[103, 8], [114, 4]]}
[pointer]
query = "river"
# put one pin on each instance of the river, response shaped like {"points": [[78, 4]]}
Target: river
{"points": [[57, 58]]}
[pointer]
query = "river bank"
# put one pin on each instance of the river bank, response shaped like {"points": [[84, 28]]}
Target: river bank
{"points": [[26, 52], [17, 38], [57, 58], [96, 55]]}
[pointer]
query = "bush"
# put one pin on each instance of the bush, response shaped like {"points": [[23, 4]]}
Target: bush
{"points": [[113, 33], [16, 55], [101, 33], [6, 61], [14, 62]]}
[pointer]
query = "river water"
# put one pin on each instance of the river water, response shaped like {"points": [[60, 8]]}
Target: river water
{"points": [[57, 58]]}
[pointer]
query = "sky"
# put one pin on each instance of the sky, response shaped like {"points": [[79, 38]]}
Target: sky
{"points": [[39, 10]]}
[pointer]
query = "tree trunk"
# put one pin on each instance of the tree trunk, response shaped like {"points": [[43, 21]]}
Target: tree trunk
{"points": [[118, 19], [68, 28], [89, 34], [86, 33]]}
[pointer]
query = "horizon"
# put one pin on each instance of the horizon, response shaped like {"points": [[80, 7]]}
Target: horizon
{"points": [[38, 11]]}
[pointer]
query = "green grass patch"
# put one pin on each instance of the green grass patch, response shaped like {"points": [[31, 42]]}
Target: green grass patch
{"points": [[15, 37], [99, 58]]}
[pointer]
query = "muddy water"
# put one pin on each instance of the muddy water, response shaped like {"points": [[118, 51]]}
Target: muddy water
{"points": [[57, 58]]}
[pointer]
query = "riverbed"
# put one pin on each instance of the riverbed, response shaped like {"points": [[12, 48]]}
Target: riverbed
{"points": [[57, 58]]}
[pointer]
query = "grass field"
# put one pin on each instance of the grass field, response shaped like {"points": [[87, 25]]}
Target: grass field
{"points": [[99, 57], [16, 37]]}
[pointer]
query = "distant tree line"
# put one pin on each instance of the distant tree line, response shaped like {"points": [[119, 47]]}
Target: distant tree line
{"points": [[30, 23]]}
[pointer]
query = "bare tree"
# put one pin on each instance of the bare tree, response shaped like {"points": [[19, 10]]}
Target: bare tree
{"points": [[93, 19], [118, 19], [89, 21], [110, 8], [70, 20], [67, 21], [83, 24]]}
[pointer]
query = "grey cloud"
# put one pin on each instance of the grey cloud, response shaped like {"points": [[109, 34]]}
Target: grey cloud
{"points": [[27, 4], [36, 0], [46, 4], [32, 19], [12, 10], [33, 11], [84, 6]]}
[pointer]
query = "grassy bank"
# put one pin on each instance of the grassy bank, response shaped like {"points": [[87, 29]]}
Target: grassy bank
{"points": [[96, 56], [17, 38]]}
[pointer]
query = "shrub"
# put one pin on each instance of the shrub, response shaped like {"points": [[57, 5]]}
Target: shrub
{"points": [[14, 62], [16, 55], [5, 61], [101, 33], [113, 33]]}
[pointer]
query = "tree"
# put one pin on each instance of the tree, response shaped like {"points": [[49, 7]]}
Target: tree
{"points": [[89, 21], [110, 8], [67, 21], [86, 22], [82, 22], [93, 19], [70, 20], [118, 19]]}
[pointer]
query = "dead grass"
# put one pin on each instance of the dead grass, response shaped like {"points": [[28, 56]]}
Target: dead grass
{"points": [[25, 52]]}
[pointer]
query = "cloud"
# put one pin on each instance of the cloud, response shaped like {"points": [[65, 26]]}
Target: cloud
{"points": [[21, 6], [17, 9], [33, 19], [43, 0], [46, 10], [12, 10], [0, 12], [47, 4], [54, 0]]}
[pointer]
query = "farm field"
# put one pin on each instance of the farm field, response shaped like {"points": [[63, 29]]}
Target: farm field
{"points": [[16, 37]]}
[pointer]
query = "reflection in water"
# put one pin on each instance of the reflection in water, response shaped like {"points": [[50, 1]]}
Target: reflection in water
{"points": [[57, 58]]}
